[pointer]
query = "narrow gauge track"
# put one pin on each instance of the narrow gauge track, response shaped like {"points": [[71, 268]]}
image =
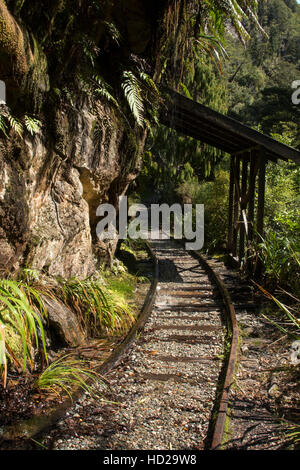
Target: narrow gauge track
{"points": [[168, 384]]}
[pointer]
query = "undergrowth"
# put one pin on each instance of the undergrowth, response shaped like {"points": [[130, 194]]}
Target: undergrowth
{"points": [[286, 318], [66, 374], [104, 306]]}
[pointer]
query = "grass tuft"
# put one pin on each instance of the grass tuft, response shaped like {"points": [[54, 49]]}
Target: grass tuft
{"points": [[101, 309], [66, 374], [22, 308]]}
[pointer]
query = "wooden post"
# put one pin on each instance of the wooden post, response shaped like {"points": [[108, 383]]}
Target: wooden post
{"points": [[236, 205], [261, 192], [252, 178], [230, 206], [260, 205], [251, 204], [243, 205]]}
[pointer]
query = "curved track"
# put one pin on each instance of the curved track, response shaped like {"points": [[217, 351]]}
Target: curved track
{"points": [[168, 384]]}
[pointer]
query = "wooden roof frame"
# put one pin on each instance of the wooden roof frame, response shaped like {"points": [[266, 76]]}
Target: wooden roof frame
{"points": [[220, 131], [250, 151]]}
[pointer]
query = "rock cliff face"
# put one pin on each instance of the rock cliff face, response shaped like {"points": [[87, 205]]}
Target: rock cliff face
{"points": [[51, 183], [49, 195]]}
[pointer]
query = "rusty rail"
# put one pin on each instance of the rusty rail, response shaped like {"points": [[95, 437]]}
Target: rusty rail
{"points": [[219, 427], [38, 425]]}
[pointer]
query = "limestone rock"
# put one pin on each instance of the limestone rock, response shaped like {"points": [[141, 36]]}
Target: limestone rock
{"points": [[49, 196]]}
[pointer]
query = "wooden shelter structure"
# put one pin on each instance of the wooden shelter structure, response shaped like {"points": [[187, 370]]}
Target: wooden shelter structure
{"points": [[250, 150]]}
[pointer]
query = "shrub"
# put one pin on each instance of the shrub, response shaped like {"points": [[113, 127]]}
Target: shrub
{"points": [[214, 196]]}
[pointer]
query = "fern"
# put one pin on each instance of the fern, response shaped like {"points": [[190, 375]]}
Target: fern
{"points": [[32, 125], [113, 31], [3, 126], [213, 47], [151, 84], [90, 49], [132, 92], [185, 90], [68, 95], [104, 89], [15, 124]]}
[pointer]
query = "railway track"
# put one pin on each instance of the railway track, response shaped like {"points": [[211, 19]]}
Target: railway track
{"points": [[170, 379], [172, 387]]}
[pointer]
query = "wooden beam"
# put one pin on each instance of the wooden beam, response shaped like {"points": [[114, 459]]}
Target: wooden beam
{"points": [[250, 136], [189, 120], [200, 132], [195, 135]]}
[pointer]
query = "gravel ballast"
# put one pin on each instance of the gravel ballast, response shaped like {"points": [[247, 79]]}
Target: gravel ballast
{"points": [[162, 394]]}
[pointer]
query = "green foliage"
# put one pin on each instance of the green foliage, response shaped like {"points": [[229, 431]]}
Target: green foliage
{"points": [[22, 308], [293, 433], [104, 306], [3, 126], [66, 374], [133, 94], [8, 121], [279, 260], [100, 308], [164, 165], [32, 124], [189, 190], [213, 47], [290, 314], [260, 76], [104, 89], [279, 248], [214, 196], [15, 124], [90, 50], [113, 32]]}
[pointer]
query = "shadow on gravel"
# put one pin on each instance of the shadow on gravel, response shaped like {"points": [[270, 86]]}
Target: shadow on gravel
{"points": [[168, 272]]}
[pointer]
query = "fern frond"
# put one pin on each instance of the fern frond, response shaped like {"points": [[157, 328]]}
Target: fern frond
{"points": [[90, 49], [132, 92], [15, 124], [151, 84], [33, 125], [113, 31], [104, 89], [3, 126], [185, 90], [213, 47]]}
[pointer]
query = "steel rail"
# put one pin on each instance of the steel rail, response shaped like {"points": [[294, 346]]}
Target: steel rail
{"points": [[38, 425], [220, 422]]}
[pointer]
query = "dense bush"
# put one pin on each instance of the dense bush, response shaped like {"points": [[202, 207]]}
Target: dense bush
{"points": [[214, 196], [280, 248]]}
